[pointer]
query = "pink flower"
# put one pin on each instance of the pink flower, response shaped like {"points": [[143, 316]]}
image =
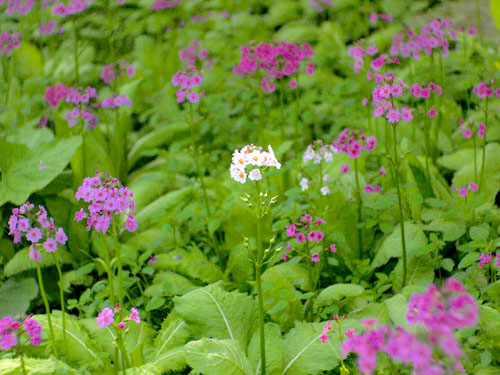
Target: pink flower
{"points": [[315, 258], [473, 186], [371, 143], [61, 236], [291, 230], [193, 97], [105, 318], [34, 254], [467, 133], [393, 116], [284, 257], [7, 341], [121, 325], [432, 112], [108, 74], [333, 248], [350, 332], [34, 235], [131, 223], [382, 171], [152, 260], [130, 70], [310, 68], [345, 168], [300, 237], [134, 315], [463, 192], [50, 245], [293, 84], [324, 338]]}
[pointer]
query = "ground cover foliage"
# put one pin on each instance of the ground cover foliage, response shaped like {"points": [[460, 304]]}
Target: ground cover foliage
{"points": [[242, 187]]}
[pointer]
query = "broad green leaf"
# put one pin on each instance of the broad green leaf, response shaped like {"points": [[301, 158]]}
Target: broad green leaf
{"points": [[173, 333], [211, 311], [396, 307], [16, 295], [479, 232], [168, 283], [81, 349], [392, 246], [22, 262], [192, 263], [495, 12], [274, 356], [304, 353], [35, 367], [420, 272], [216, 357], [20, 169], [336, 292], [451, 230]]}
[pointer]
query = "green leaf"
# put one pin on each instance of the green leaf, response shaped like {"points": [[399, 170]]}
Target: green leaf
{"points": [[82, 349], [20, 167], [35, 367], [336, 292], [392, 246], [304, 353], [396, 307], [216, 357], [451, 230], [480, 232], [168, 283], [174, 332], [468, 260], [495, 12], [16, 295], [211, 311], [22, 262], [274, 356]]}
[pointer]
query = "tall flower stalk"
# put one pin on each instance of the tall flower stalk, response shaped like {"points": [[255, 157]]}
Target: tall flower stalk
{"points": [[258, 160]]}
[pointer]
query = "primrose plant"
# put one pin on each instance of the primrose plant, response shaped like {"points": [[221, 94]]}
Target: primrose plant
{"points": [[249, 163]]}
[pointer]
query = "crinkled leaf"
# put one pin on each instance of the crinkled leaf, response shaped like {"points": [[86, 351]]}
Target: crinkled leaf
{"points": [[16, 295]]}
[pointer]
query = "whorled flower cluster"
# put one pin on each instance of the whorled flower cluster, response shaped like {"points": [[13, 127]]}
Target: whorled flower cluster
{"points": [[353, 141], [71, 7], [433, 36], [165, 4], [111, 72], [254, 158], [12, 329], [107, 317], [195, 55], [108, 198], [440, 311], [84, 101], [116, 102], [9, 42], [464, 190], [485, 89], [34, 224], [306, 230], [189, 81], [276, 61], [486, 258], [468, 129]]}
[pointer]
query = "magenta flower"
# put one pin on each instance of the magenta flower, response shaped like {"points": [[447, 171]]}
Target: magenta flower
{"points": [[345, 168], [432, 112], [333, 248], [315, 236], [315, 258], [105, 318], [34, 235], [300, 238], [50, 245], [134, 315]]}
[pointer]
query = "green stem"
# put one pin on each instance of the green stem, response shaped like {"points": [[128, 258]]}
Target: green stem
{"points": [[110, 273], [197, 161], [21, 357], [61, 298], [282, 110], [475, 159], [360, 213], [119, 266], [427, 145], [123, 350], [483, 159], [478, 16], [47, 309], [297, 114], [258, 271], [401, 217], [75, 53]]}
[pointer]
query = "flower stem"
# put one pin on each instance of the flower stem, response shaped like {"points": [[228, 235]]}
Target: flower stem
{"points": [[258, 271], [360, 213], [47, 309], [282, 110], [75, 53], [400, 204], [118, 265], [475, 161], [123, 350], [197, 161], [109, 271], [478, 16], [484, 145], [61, 298]]}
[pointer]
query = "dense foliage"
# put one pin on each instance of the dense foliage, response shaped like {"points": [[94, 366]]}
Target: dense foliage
{"points": [[215, 187]]}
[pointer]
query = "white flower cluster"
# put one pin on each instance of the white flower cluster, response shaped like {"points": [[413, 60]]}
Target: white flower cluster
{"points": [[324, 153], [255, 157]]}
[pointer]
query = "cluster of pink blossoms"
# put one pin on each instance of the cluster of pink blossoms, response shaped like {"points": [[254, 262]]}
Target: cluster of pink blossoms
{"points": [[276, 61], [11, 330], [107, 317], [63, 9], [464, 190], [328, 328], [18, 6], [320, 5], [50, 28], [254, 157], [440, 311], [486, 258], [374, 17], [484, 89], [381, 101], [188, 81], [111, 72], [306, 231], [468, 129], [107, 198], [84, 100], [318, 152], [190, 54], [116, 102], [165, 4], [8, 42], [352, 142], [36, 227], [55, 94], [432, 36]]}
